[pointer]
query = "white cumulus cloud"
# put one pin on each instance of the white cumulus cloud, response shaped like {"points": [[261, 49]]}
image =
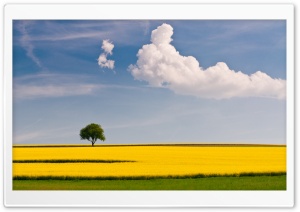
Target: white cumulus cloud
{"points": [[161, 65], [103, 62], [107, 46]]}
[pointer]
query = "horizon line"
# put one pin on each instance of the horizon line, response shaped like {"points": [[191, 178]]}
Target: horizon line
{"points": [[162, 144]]}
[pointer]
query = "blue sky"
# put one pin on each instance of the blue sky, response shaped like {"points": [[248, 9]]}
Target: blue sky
{"points": [[231, 89]]}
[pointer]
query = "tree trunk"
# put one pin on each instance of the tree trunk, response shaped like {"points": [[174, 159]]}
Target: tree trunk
{"points": [[93, 143]]}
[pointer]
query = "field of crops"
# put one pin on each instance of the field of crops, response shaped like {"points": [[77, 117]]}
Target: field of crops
{"points": [[133, 161]]}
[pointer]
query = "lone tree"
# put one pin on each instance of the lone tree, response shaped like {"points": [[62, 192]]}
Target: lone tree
{"points": [[92, 132]]}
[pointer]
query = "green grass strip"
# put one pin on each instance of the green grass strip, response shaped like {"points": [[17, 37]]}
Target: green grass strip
{"points": [[73, 161], [213, 183], [245, 174]]}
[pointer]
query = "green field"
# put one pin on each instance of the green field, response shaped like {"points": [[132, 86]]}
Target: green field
{"points": [[209, 183]]}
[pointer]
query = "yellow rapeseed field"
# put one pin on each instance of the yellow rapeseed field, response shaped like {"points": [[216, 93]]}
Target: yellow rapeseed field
{"points": [[150, 160]]}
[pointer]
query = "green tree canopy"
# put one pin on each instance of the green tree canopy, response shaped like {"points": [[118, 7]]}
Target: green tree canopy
{"points": [[92, 132]]}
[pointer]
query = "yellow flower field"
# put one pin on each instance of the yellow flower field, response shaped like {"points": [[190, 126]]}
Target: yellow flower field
{"points": [[150, 160]]}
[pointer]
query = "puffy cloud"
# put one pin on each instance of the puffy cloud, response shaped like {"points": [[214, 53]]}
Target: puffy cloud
{"points": [[103, 62], [107, 46], [161, 65]]}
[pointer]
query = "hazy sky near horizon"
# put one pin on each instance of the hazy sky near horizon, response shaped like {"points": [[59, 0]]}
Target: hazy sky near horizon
{"points": [[157, 81]]}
